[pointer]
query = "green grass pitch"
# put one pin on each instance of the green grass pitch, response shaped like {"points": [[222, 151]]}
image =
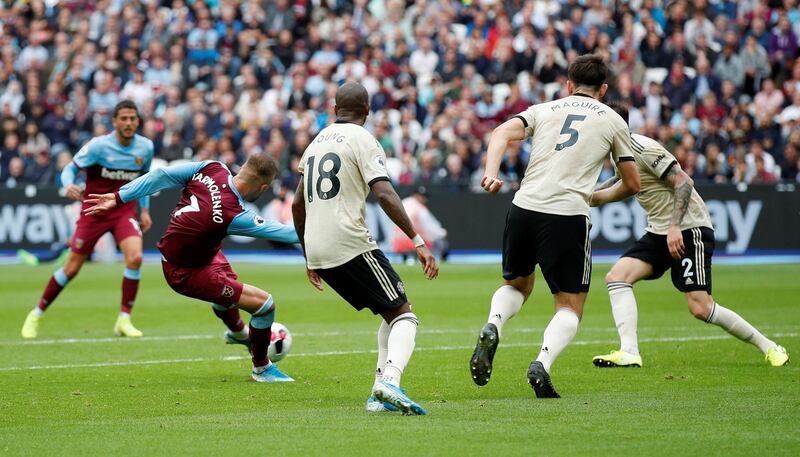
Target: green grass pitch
{"points": [[181, 391]]}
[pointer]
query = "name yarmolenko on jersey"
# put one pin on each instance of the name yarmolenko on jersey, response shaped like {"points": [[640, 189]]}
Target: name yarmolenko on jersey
{"points": [[213, 205]]}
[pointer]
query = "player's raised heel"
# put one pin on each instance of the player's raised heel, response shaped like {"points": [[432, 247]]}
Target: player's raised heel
{"points": [[30, 329], [376, 406], [481, 363], [124, 327], [539, 379], [393, 395], [271, 374], [777, 356], [616, 359], [231, 339]]}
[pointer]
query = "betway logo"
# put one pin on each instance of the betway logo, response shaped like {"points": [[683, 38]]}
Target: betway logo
{"points": [[118, 175], [620, 222], [37, 223]]}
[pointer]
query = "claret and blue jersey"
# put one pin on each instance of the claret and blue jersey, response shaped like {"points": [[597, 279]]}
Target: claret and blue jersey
{"points": [[109, 165], [209, 210]]}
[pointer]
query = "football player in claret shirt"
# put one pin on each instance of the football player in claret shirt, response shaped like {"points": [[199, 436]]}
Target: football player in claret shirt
{"points": [[109, 162], [212, 207]]}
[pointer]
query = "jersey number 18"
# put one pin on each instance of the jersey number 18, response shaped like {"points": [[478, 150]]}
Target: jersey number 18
{"points": [[329, 175]]}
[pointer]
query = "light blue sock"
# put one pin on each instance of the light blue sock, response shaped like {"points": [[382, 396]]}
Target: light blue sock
{"points": [[265, 316], [61, 277], [132, 274]]}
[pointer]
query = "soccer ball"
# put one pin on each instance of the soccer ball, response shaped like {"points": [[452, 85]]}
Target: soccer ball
{"points": [[281, 342]]}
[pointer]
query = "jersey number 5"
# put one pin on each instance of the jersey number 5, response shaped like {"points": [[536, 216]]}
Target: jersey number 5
{"points": [[567, 129], [329, 175]]}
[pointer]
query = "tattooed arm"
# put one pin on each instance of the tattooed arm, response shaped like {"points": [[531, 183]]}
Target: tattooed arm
{"points": [[682, 186]]}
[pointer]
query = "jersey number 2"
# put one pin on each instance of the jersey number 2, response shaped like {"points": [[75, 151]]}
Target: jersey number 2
{"points": [[329, 175], [567, 129]]}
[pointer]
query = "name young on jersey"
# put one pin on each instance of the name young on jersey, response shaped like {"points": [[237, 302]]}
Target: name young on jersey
{"points": [[330, 136], [213, 190]]}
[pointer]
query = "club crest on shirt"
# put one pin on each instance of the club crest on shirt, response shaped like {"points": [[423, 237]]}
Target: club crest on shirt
{"points": [[139, 161], [227, 291], [78, 243]]}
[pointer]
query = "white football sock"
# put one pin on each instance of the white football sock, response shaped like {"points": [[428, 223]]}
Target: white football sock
{"points": [[738, 327], [559, 332], [243, 333], [38, 311], [623, 307], [506, 303], [383, 349], [403, 331], [124, 314]]}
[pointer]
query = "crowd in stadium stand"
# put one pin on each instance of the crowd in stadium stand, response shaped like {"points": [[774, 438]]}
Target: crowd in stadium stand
{"points": [[717, 82]]}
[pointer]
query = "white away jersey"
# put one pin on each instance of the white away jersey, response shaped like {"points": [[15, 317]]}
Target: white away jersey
{"points": [[338, 167], [656, 197], [571, 139]]}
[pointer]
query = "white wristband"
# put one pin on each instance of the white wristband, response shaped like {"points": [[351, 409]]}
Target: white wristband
{"points": [[418, 241]]}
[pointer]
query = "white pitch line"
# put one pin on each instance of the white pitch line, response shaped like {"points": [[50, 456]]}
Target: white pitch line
{"points": [[424, 331], [371, 351]]}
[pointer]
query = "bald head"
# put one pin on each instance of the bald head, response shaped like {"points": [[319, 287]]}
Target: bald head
{"points": [[352, 102]]}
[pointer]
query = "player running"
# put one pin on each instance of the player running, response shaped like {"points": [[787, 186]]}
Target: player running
{"points": [[548, 222], [679, 237], [340, 166], [212, 207], [110, 161]]}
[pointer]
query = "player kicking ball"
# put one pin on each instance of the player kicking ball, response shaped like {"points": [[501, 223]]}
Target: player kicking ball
{"points": [[212, 207], [109, 161], [679, 237], [548, 223], [340, 167]]}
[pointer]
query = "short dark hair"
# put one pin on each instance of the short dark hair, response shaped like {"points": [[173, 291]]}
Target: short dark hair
{"points": [[125, 104], [588, 70], [620, 109], [259, 167]]}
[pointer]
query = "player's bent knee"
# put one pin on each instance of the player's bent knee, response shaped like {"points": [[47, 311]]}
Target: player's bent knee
{"points": [[614, 276], [699, 306], [72, 266], [134, 261], [523, 285]]}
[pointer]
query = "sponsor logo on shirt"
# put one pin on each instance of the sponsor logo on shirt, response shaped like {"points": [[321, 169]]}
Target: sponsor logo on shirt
{"points": [[658, 160], [118, 175]]}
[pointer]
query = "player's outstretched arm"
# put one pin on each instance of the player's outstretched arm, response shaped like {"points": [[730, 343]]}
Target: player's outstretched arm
{"points": [[150, 183], [682, 186], [510, 130], [248, 223], [393, 207], [627, 185]]}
